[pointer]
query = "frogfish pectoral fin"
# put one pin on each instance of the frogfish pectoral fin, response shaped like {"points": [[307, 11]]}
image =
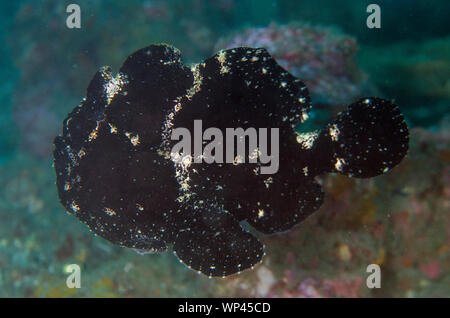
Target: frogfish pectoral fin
{"points": [[217, 251]]}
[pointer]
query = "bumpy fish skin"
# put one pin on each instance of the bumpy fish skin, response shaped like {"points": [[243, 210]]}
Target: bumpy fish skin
{"points": [[114, 170]]}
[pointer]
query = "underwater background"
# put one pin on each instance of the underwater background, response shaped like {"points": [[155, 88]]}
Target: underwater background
{"points": [[399, 220]]}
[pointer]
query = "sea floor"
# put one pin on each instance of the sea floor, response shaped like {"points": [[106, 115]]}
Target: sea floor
{"points": [[399, 221]]}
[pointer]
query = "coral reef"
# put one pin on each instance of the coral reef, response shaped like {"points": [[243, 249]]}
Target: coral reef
{"points": [[399, 221], [322, 57], [327, 255]]}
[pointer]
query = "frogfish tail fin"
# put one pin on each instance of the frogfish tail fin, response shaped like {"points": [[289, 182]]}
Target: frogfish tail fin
{"points": [[368, 139]]}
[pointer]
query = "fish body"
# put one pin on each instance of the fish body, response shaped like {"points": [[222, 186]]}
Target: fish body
{"points": [[117, 172]]}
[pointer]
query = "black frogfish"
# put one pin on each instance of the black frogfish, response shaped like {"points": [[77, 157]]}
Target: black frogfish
{"points": [[117, 172]]}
